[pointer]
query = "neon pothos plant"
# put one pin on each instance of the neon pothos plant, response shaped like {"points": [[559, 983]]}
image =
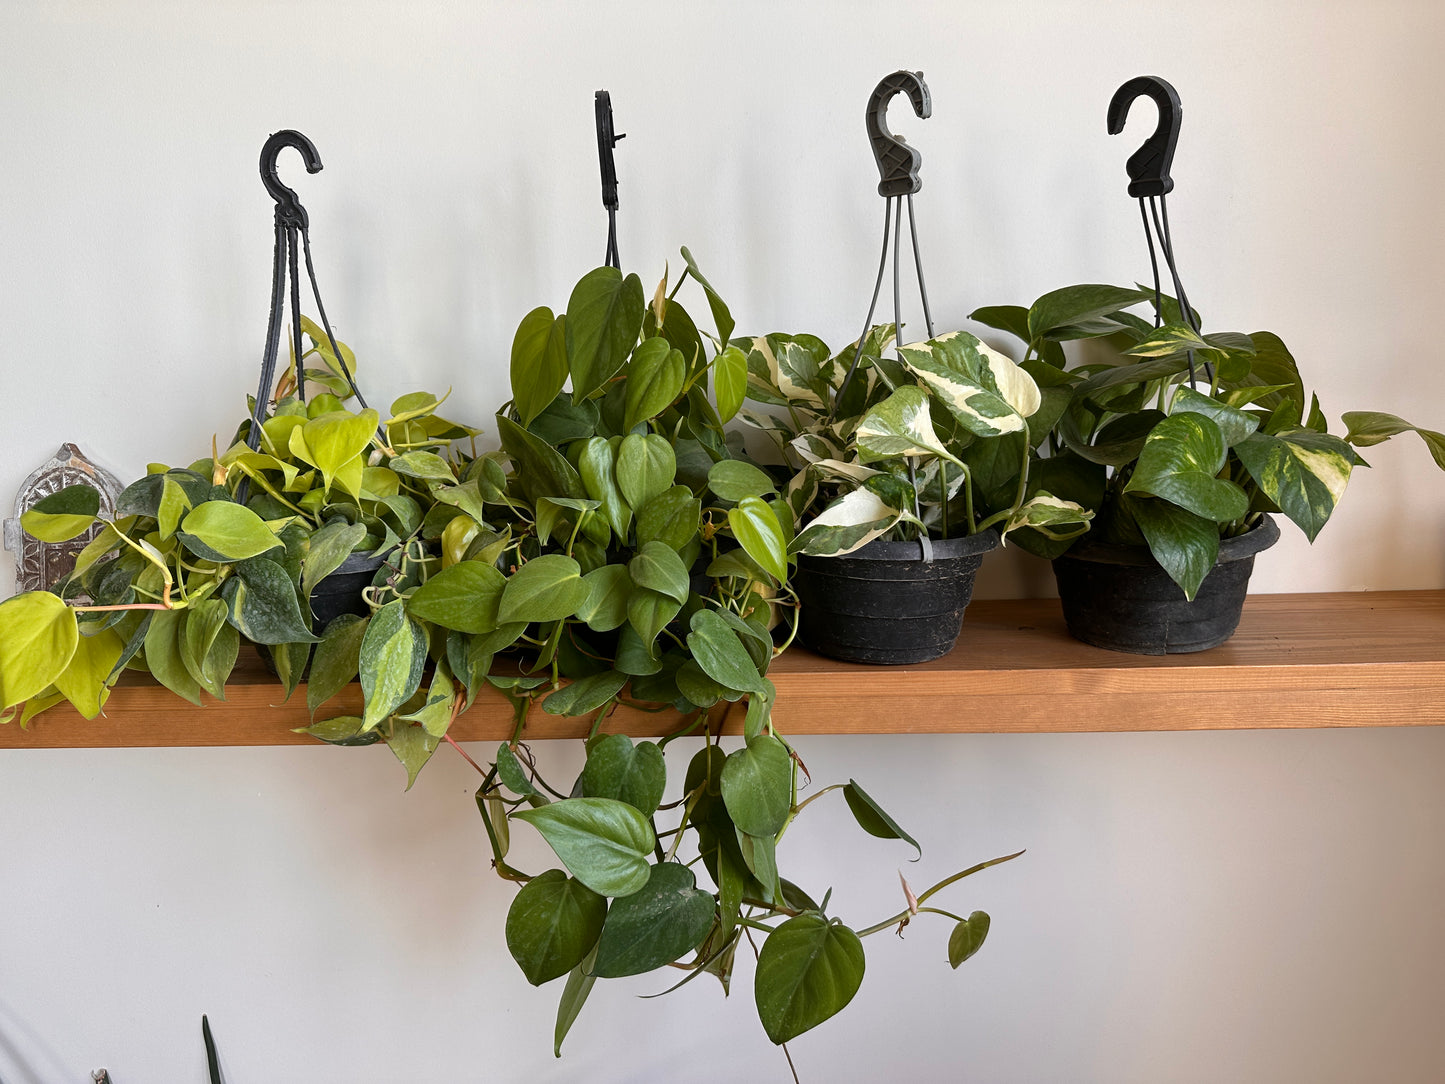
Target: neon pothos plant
{"points": [[231, 547], [934, 442], [632, 557], [1175, 439]]}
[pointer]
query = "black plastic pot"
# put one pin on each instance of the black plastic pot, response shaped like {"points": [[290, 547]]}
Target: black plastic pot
{"points": [[340, 592], [883, 604], [1118, 597]]}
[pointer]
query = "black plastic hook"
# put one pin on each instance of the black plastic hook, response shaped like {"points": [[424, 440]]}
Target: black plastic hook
{"points": [[606, 140], [1149, 166], [898, 163], [288, 207]]}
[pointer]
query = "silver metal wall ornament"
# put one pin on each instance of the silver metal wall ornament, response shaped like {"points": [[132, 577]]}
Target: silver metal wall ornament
{"points": [[40, 565]]}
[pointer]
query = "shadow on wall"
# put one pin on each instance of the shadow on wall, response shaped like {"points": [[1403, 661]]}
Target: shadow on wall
{"points": [[26, 1057]]}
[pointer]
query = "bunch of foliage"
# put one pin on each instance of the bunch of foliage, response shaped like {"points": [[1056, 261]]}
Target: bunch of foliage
{"points": [[934, 442], [1174, 438], [232, 546], [633, 557]]}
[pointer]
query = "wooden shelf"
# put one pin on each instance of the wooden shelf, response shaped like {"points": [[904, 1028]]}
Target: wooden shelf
{"points": [[1325, 660]]}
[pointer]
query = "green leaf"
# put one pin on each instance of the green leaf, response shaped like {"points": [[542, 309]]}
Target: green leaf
{"points": [[605, 607], [546, 588], [393, 655], [872, 819], [334, 440], [755, 526], [720, 314], [604, 315], [1011, 318], [646, 467], [604, 842], [464, 597], [654, 381], [719, 651], [585, 695], [665, 919], [808, 970], [1274, 364], [1370, 427], [967, 938], [1167, 341], [84, 680], [542, 471], [227, 532], [204, 623], [1076, 304], [342, 730], [552, 925], [734, 479], [597, 464], [635, 774], [537, 372], [337, 661], [1186, 545], [163, 655], [412, 746], [657, 567], [649, 612], [757, 786], [428, 466], [574, 995], [730, 381], [330, 546], [671, 518], [1234, 425], [1117, 443], [1179, 462], [900, 426], [1303, 472], [263, 604], [62, 515]]}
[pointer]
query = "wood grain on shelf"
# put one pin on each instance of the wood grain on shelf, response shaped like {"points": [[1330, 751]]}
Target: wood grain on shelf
{"points": [[1322, 660]]}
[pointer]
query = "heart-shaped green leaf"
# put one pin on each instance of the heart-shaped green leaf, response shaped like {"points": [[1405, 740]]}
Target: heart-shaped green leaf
{"points": [[665, 919], [755, 525], [967, 938], [718, 650], [730, 381], [226, 532], [604, 315], [546, 588], [604, 842], [62, 515], [552, 924], [657, 567], [646, 466], [605, 607], [393, 655], [635, 774], [1179, 461], [1303, 472], [537, 373], [1185, 545], [654, 381], [337, 661], [734, 479], [808, 970], [464, 597], [757, 786], [671, 518], [597, 465], [585, 695], [263, 603]]}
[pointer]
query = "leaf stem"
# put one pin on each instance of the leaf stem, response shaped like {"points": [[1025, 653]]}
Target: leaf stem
{"points": [[937, 888]]}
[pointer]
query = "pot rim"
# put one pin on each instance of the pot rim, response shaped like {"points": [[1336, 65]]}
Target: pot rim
{"points": [[969, 545], [1256, 540]]}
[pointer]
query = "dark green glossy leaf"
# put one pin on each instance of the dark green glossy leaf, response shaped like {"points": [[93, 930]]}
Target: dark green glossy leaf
{"points": [[574, 995], [1179, 462], [1076, 304], [604, 315], [605, 607], [338, 660], [808, 970], [665, 919], [329, 546], [757, 786], [654, 381], [263, 604], [547, 588], [967, 938], [597, 465], [719, 651], [734, 479], [1234, 425], [635, 774], [552, 925], [1186, 545], [1303, 472], [657, 567], [671, 518], [537, 373], [872, 818], [541, 470], [585, 695], [163, 655], [646, 467], [464, 597]]}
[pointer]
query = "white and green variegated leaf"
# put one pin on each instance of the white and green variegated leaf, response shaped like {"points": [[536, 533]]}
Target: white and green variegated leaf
{"points": [[1303, 472], [788, 369], [1180, 461], [1167, 341], [1368, 427], [832, 469], [812, 446], [900, 425], [985, 391], [798, 494], [849, 523], [1051, 516]]}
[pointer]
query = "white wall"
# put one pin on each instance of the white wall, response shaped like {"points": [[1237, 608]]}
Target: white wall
{"points": [[1193, 907]]}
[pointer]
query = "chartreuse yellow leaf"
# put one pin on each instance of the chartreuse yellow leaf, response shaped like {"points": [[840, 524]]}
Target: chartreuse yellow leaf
{"points": [[38, 636], [84, 681], [63, 515], [333, 441]]}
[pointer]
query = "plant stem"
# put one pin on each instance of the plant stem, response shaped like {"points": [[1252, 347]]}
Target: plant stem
{"points": [[937, 888]]}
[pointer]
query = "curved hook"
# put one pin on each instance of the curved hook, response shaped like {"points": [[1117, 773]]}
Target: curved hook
{"points": [[898, 163], [288, 207], [1149, 166], [606, 140]]}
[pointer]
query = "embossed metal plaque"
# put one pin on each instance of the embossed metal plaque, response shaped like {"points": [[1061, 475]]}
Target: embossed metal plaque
{"points": [[39, 565]]}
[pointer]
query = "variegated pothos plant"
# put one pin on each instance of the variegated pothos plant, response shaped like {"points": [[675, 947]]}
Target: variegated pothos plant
{"points": [[1173, 438], [934, 441]]}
